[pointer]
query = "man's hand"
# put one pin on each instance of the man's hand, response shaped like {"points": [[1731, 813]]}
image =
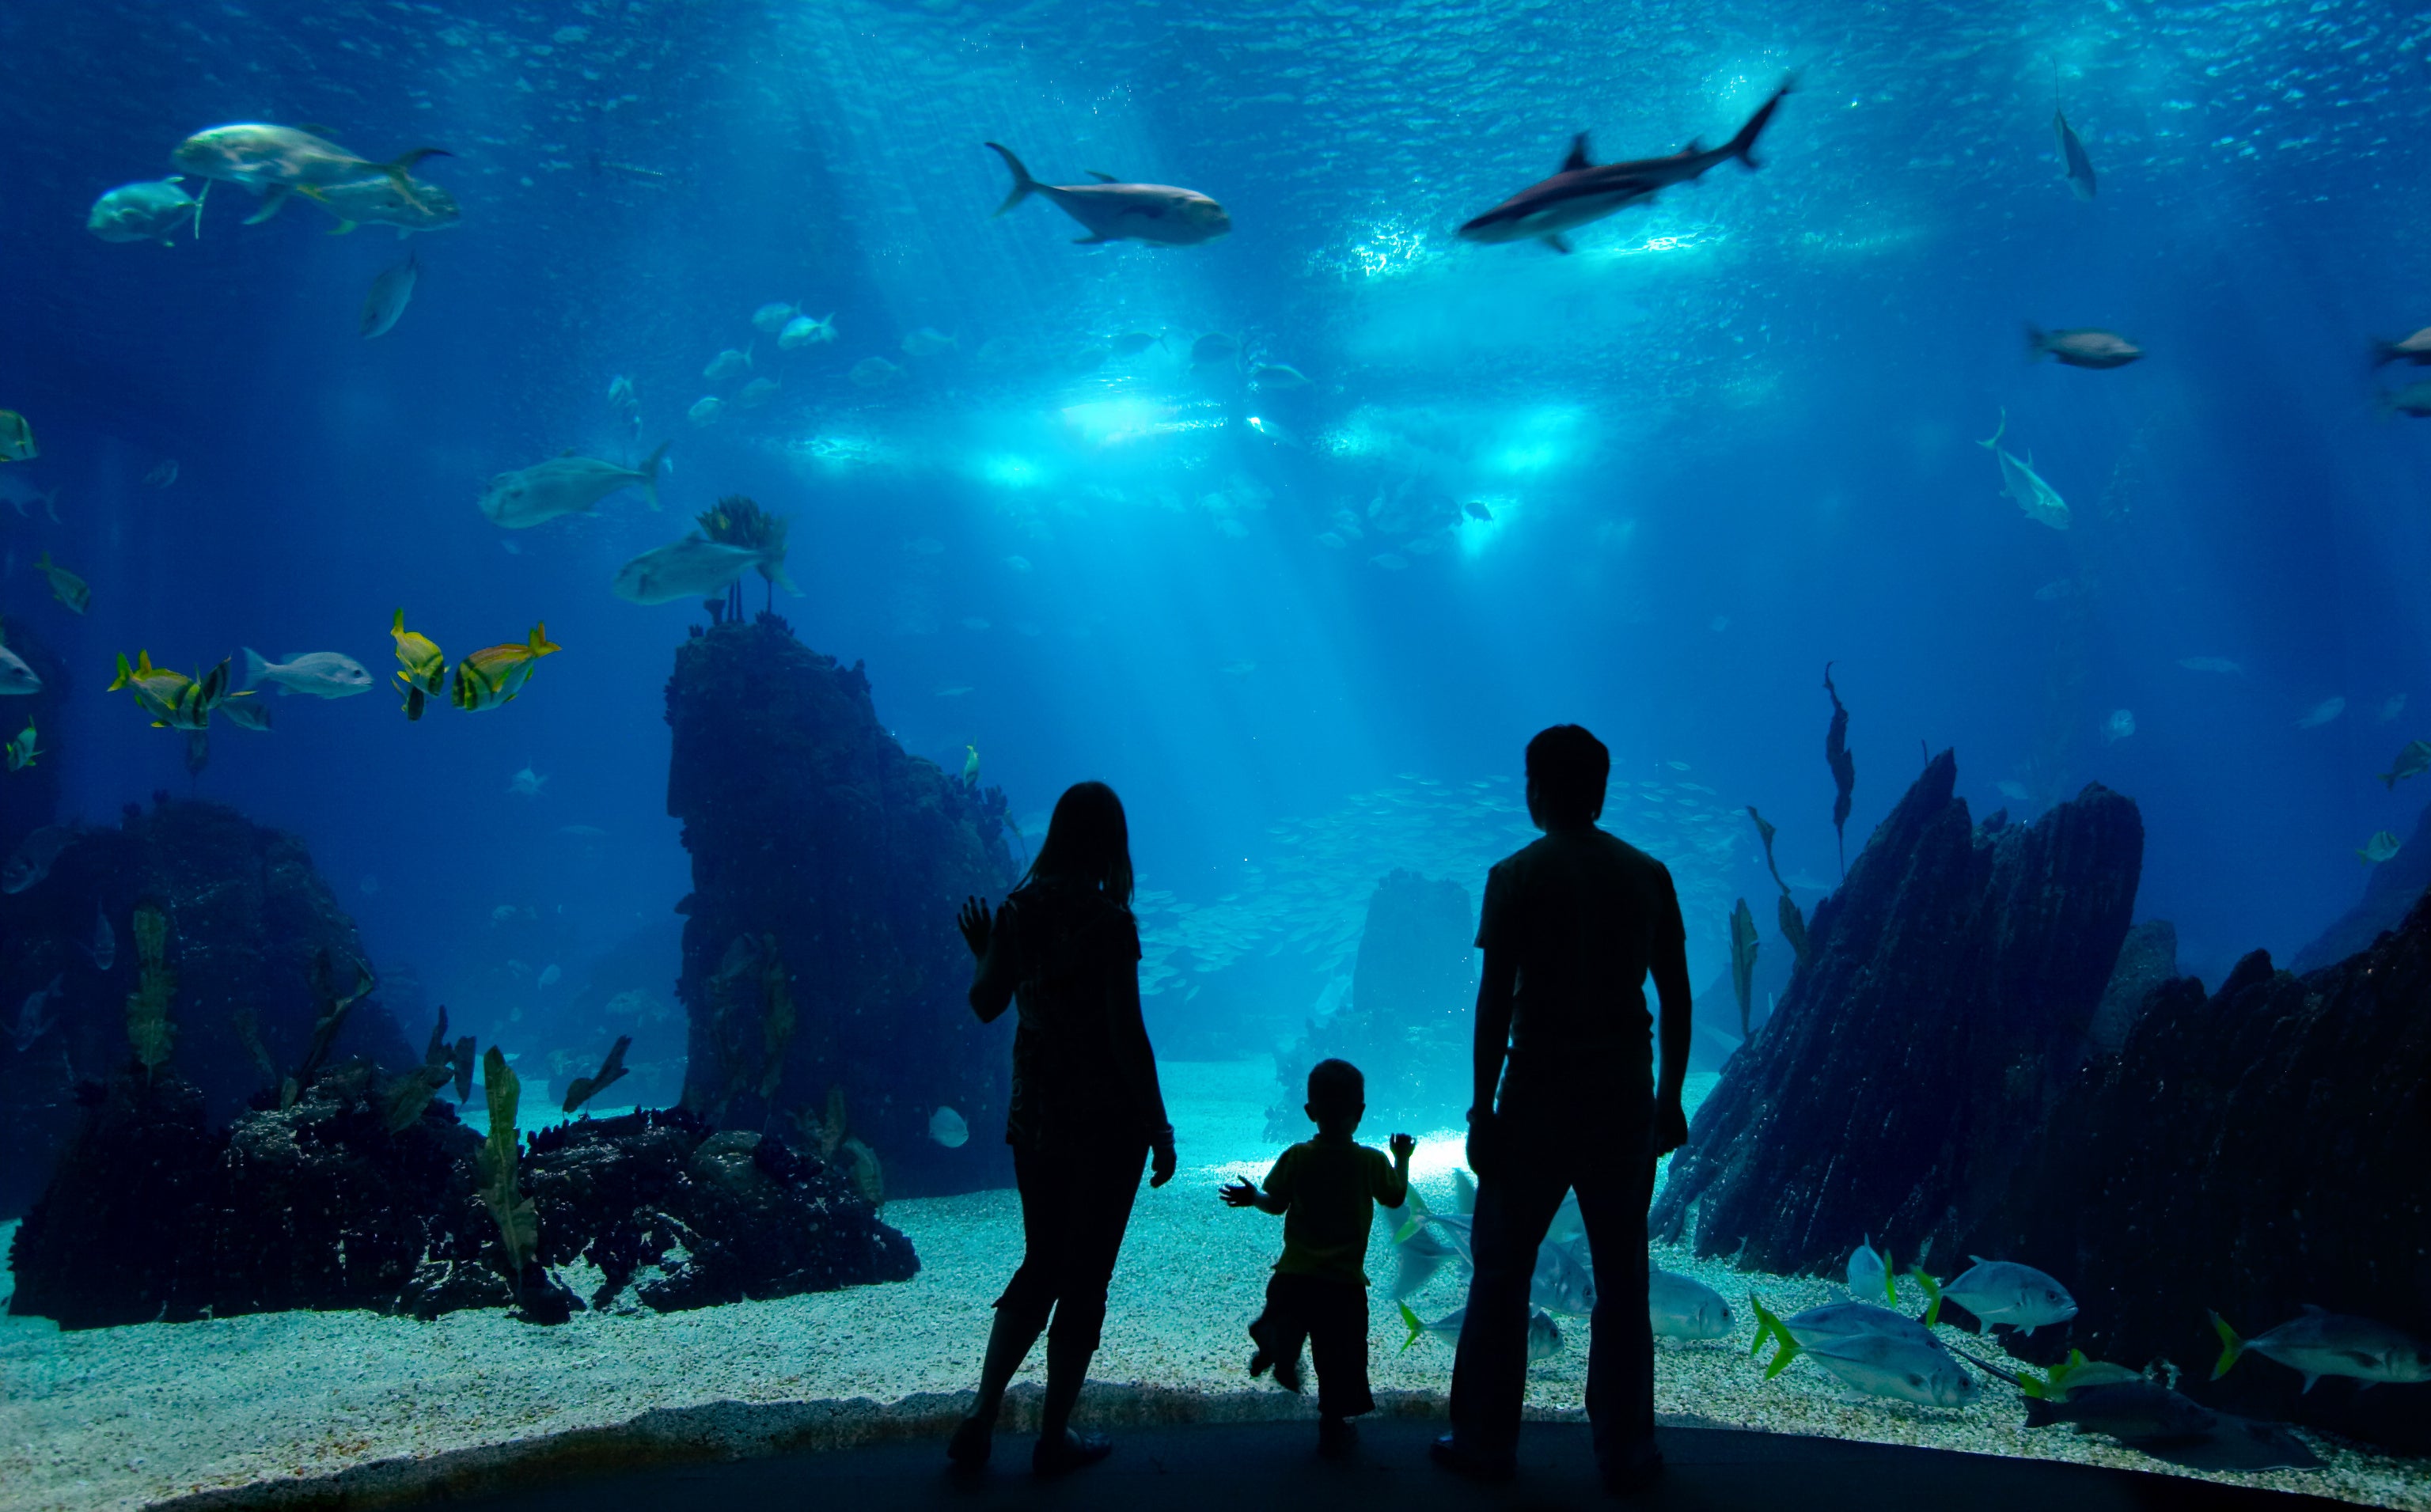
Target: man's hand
{"points": [[976, 923], [1485, 1141], [1160, 1166], [1401, 1145], [1240, 1194], [1670, 1126]]}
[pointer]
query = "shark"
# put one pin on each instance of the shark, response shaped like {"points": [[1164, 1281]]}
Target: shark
{"points": [[1584, 191], [1115, 211]]}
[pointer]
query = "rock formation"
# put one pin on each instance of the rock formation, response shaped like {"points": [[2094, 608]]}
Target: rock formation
{"points": [[1406, 1023], [1950, 983], [2252, 1152], [2148, 957], [820, 951], [247, 918], [2390, 891]]}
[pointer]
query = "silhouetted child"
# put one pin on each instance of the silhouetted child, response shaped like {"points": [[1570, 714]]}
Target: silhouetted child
{"points": [[1326, 1189]]}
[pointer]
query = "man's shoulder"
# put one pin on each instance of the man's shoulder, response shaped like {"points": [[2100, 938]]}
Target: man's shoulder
{"points": [[1558, 848]]}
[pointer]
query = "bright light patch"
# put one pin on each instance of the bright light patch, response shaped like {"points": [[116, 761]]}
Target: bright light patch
{"points": [[1007, 471], [1112, 422], [837, 453], [1540, 440], [1476, 534]]}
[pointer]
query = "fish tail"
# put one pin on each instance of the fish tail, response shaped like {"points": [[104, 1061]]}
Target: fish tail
{"points": [[540, 643], [255, 665], [274, 199], [1022, 183], [125, 675], [198, 208], [2388, 780], [402, 170], [1743, 145], [1932, 1293], [1998, 431], [2230, 1346], [1766, 1323], [650, 471], [2035, 349], [1410, 1321], [2383, 353]]}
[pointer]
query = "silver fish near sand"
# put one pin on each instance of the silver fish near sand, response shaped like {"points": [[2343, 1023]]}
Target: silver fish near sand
{"points": [[1446, 1328], [2086, 346], [322, 674], [2040, 501], [1418, 1254], [32, 1023], [2072, 158], [1583, 191], [565, 485], [390, 294], [2002, 1291], [1562, 1284], [1887, 1365], [2317, 1343], [147, 211], [694, 568], [31, 862], [1684, 1308], [1869, 1273], [1116, 211], [1803, 1331], [947, 1128]]}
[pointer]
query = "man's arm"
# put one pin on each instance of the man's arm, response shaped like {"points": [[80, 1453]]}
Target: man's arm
{"points": [[1671, 990], [1495, 987]]}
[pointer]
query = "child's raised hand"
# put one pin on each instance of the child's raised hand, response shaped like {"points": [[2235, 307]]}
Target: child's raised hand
{"points": [[1240, 1193], [1401, 1145]]}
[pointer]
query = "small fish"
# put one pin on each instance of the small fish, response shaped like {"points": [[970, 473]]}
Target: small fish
{"points": [[927, 342], [322, 674], [405, 205], [971, 766], [1133, 342], [426, 666], [2120, 724], [953, 690], [104, 948], [246, 711], [22, 748], [2015, 792], [2382, 846], [32, 1023], [2072, 159], [1544, 1335], [803, 331], [757, 392], [2039, 500], [620, 392], [2057, 589], [2211, 664], [728, 365], [1330, 541], [947, 1128], [2413, 760], [2415, 348], [19, 492], [2322, 714], [1561, 1283], [1213, 348], [390, 294], [565, 484], [2392, 707], [146, 211], [694, 568], [162, 474], [874, 373], [31, 861], [706, 410], [1684, 1308], [175, 701], [1476, 511], [2413, 399], [490, 678], [1888, 1365], [527, 783], [1277, 376], [1115, 211], [66, 586], [16, 676], [771, 318], [1870, 1274], [1274, 432], [549, 977], [2002, 1291], [17, 438], [2086, 346], [2318, 1343]]}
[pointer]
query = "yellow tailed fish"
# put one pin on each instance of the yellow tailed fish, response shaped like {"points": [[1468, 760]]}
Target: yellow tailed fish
{"points": [[66, 586], [22, 750], [426, 665], [17, 438], [493, 675]]}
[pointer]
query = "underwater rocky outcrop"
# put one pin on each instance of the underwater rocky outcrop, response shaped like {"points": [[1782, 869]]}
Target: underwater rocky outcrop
{"points": [[820, 953], [248, 922], [1406, 1022], [1943, 1008], [2252, 1151], [2389, 893], [329, 1202]]}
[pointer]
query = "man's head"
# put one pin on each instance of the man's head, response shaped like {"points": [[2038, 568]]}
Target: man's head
{"points": [[1337, 1095], [1566, 769]]}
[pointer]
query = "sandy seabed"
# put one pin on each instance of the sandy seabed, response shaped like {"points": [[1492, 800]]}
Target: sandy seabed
{"points": [[270, 1408]]}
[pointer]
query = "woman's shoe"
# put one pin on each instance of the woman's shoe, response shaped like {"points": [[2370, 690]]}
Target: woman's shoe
{"points": [[1057, 1456], [968, 1448]]}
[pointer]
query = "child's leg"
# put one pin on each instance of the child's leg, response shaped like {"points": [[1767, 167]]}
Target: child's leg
{"points": [[1337, 1337], [1279, 1333]]}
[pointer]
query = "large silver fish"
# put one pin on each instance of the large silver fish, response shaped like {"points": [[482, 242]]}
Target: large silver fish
{"points": [[146, 211], [32, 861], [1887, 1365], [565, 484], [1684, 1308], [1116, 211], [276, 161], [2317, 1343], [2002, 1291], [390, 294], [1584, 191], [2086, 346], [2020, 480], [694, 568]]}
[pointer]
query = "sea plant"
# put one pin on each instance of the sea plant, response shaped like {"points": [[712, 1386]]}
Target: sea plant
{"points": [[518, 1220], [1793, 923], [415, 1088], [1743, 948], [583, 1089], [148, 1029], [738, 520], [334, 1008], [1844, 768]]}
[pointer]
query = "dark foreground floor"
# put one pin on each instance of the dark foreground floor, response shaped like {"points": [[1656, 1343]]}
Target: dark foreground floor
{"points": [[1272, 1467]]}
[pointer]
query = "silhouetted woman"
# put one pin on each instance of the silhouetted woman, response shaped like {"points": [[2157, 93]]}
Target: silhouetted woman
{"points": [[1086, 1108]]}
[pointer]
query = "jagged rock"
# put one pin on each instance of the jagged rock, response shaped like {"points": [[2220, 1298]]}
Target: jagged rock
{"points": [[120, 1238], [2390, 891], [247, 916], [809, 825], [2147, 958], [2250, 1152], [1949, 985], [1406, 1024]]}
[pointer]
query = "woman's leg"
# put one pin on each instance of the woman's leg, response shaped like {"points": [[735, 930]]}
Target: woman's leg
{"points": [[1021, 1313], [1103, 1189]]}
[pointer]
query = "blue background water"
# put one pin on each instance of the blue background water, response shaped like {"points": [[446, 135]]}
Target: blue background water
{"points": [[1728, 440]]}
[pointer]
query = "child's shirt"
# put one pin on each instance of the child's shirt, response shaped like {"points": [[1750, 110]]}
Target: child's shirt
{"points": [[1332, 1186]]}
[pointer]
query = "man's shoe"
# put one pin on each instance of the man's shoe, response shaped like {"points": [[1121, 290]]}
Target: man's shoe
{"points": [[1632, 1469], [1336, 1436], [1057, 1456], [1450, 1453], [968, 1448]]}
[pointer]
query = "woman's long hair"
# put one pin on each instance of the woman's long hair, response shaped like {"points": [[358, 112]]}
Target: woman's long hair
{"points": [[1087, 841]]}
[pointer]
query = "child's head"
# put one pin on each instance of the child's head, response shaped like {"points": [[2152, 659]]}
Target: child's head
{"points": [[1337, 1095]]}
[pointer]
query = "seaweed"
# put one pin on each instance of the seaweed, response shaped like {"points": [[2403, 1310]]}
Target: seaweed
{"points": [[1793, 923], [1844, 767], [518, 1220], [1743, 948], [248, 1033], [415, 1088], [462, 1057], [583, 1089], [738, 520], [148, 1029], [334, 1007]]}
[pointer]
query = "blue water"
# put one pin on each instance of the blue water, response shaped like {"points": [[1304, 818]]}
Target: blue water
{"points": [[1726, 441]]}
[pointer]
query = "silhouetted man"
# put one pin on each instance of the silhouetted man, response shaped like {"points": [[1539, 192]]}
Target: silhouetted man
{"points": [[1571, 927]]}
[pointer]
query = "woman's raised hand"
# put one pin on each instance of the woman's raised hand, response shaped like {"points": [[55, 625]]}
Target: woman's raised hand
{"points": [[976, 923]]}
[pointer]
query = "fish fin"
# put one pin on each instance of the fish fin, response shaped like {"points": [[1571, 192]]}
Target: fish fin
{"points": [[1695, 146], [1104, 178], [1023, 185], [1094, 239], [401, 171], [1559, 244], [342, 227], [2311, 1376], [1742, 147], [272, 201], [1998, 431], [123, 678], [540, 643], [1410, 1321], [650, 471], [2230, 1346], [198, 208], [1578, 156], [1933, 1295], [255, 664]]}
